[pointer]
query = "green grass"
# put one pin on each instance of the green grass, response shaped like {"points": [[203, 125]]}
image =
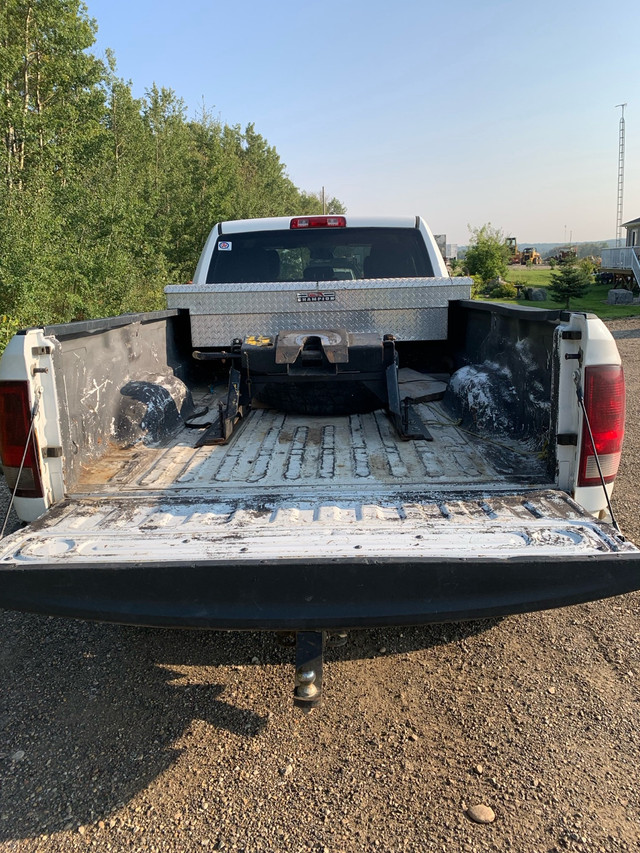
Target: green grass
{"points": [[595, 302], [530, 276]]}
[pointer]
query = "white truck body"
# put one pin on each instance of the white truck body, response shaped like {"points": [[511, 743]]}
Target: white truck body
{"points": [[298, 521]]}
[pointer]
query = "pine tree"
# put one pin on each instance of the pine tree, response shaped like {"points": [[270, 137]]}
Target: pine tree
{"points": [[571, 279]]}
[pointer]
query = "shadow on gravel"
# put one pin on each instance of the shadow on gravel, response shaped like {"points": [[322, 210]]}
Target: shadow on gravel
{"points": [[364, 644], [90, 714], [626, 333]]}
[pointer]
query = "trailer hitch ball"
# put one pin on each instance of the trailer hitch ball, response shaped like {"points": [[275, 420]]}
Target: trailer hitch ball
{"points": [[306, 676], [305, 684]]}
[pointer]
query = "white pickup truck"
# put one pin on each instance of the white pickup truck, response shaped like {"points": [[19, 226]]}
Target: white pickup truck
{"points": [[322, 432]]}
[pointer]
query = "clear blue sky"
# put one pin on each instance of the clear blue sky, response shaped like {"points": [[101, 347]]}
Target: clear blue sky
{"points": [[465, 112]]}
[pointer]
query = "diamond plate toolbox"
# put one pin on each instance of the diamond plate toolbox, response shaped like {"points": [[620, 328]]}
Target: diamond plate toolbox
{"points": [[409, 308]]}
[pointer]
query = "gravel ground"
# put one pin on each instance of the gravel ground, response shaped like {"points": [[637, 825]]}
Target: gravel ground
{"points": [[119, 738]]}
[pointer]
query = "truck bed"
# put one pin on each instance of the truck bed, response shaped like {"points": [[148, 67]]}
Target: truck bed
{"points": [[292, 487], [300, 523], [297, 454]]}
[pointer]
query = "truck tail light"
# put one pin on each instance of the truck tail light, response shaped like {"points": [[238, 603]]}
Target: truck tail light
{"points": [[604, 400], [15, 423], [318, 222]]}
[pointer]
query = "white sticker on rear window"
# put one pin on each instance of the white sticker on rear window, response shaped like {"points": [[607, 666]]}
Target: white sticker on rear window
{"points": [[224, 246]]}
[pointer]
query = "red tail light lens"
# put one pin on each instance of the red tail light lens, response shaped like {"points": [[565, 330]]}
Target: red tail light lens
{"points": [[318, 222], [15, 419], [604, 400]]}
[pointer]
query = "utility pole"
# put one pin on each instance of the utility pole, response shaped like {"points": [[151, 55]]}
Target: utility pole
{"points": [[323, 202], [620, 178]]}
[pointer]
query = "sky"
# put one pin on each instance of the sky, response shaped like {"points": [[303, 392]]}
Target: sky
{"points": [[464, 113]]}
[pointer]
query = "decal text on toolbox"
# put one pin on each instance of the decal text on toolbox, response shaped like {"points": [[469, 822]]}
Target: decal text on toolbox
{"points": [[318, 296]]}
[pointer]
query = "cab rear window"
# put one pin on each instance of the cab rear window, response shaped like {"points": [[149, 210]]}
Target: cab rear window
{"points": [[319, 255]]}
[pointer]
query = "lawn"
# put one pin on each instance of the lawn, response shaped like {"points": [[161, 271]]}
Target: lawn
{"points": [[594, 302], [529, 276]]}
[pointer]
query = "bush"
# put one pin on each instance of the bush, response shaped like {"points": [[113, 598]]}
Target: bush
{"points": [[8, 327], [505, 290], [487, 253], [477, 287]]}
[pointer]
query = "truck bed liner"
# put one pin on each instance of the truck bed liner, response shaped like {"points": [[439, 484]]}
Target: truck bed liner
{"points": [[293, 453]]}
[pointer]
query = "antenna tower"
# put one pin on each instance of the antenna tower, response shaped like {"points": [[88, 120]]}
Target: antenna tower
{"points": [[620, 178]]}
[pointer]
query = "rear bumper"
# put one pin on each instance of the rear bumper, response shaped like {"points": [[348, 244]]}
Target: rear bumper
{"points": [[315, 594]]}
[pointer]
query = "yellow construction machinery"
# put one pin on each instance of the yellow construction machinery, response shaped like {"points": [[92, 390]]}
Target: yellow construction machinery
{"points": [[514, 253], [530, 256]]}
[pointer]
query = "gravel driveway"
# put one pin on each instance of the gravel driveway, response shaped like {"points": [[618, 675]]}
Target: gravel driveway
{"points": [[120, 738]]}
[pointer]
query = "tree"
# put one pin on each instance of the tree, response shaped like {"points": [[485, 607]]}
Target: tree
{"points": [[571, 279], [52, 100], [310, 203], [51, 112], [592, 250], [487, 253]]}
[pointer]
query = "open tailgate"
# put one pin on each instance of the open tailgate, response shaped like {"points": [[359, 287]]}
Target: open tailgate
{"points": [[312, 563]]}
